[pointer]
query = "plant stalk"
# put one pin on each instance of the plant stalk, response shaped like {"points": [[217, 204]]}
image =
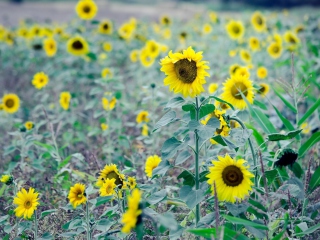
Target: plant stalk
{"points": [[88, 221], [35, 226], [197, 160]]}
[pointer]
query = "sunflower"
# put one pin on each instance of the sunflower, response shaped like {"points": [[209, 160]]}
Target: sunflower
{"points": [[11, 103], [235, 29], [77, 46], [29, 125], [134, 55], [27, 202], [77, 195], [145, 130], [6, 179], [254, 44], [104, 126], [287, 157], [107, 47], [277, 38], [233, 53], [151, 163], [126, 31], [132, 216], [153, 48], [183, 36], [243, 71], [221, 105], [299, 28], [1, 107], [213, 16], [262, 72], [145, 58], [23, 32], [50, 47], [108, 105], [185, 72], [132, 182], [263, 90], [165, 20], [292, 39], [207, 28], [40, 80], [36, 31], [305, 128], [107, 188], [65, 98], [86, 9], [231, 178], [106, 72], [258, 22], [245, 56], [232, 88], [233, 69], [105, 27], [166, 33], [275, 50], [213, 87], [142, 117], [110, 172]]}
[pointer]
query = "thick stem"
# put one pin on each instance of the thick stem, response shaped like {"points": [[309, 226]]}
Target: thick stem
{"points": [[252, 150], [197, 160], [88, 221]]}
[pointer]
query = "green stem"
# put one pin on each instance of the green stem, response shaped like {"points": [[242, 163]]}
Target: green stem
{"points": [[35, 226], [254, 157], [88, 221], [197, 160]]}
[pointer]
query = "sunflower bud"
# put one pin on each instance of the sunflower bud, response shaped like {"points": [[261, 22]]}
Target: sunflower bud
{"points": [[286, 157], [6, 179]]}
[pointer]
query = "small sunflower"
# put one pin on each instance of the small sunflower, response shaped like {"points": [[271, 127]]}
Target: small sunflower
{"points": [[277, 38], [151, 163], [86, 9], [29, 125], [231, 177], [126, 31], [221, 105], [106, 27], [254, 44], [287, 157], [292, 39], [50, 47], [77, 195], [207, 28], [27, 203], [165, 20], [108, 105], [143, 117], [262, 72], [145, 58], [233, 69], [306, 129], [145, 130], [235, 29], [132, 216], [104, 126], [107, 46], [153, 48], [243, 71], [134, 55], [107, 188], [110, 172], [263, 90], [232, 88], [132, 182], [245, 56], [213, 87], [1, 107], [106, 72], [185, 72], [40, 80], [183, 36], [213, 16], [77, 46], [275, 50], [6, 179], [258, 22], [64, 101], [11, 103]]}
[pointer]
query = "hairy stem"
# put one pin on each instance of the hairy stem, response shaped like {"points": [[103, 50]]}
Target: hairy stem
{"points": [[197, 160]]}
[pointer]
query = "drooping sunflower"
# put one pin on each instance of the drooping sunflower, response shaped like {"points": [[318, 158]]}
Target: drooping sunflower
{"points": [[105, 27], [258, 21], [142, 117], [185, 72], [263, 90], [77, 46], [232, 88], [231, 177], [287, 157], [132, 182], [110, 171], [108, 105], [245, 56], [132, 217], [213, 87], [50, 47], [27, 202], [145, 130], [6, 179], [29, 125], [254, 44], [262, 72], [275, 50], [86, 9], [11, 103], [77, 194], [40, 80], [64, 101], [151, 163], [235, 29], [107, 188]]}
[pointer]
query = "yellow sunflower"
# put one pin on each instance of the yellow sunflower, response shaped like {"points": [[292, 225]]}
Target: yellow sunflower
{"points": [[292, 39], [235, 29], [106, 72], [165, 20], [77, 46], [153, 48], [221, 105], [132, 216], [185, 72], [231, 177], [275, 50], [86, 9], [1, 107], [213, 16], [6, 179], [151, 163], [105, 27], [143, 117], [77, 194], [213, 87], [233, 69], [263, 90], [11, 103], [27, 203], [262, 72], [243, 71], [183, 36], [29, 125], [40, 80], [132, 182], [64, 101], [108, 105], [50, 47], [145, 58], [107, 188], [232, 88], [207, 28], [126, 31], [107, 46], [104, 126], [36, 31], [254, 44], [306, 129], [258, 21], [145, 130], [245, 56], [134, 55], [277, 38], [110, 172]]}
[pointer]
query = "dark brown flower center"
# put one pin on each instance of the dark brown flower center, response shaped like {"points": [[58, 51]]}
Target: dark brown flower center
{"points": [[262, 89], [86, 9], [186, 70], [291, 39], [238, 88], [9, 103], [236, 29], [183, 34], [235, 69], [77, 45], [116, 176], [259, 20], [232, 176], [27, 204], [276, 49], [106, 26]]}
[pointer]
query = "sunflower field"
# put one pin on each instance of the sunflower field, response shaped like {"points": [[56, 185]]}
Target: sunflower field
{"points": [[168, 129]]}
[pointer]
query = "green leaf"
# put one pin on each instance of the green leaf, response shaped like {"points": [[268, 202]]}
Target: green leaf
{"points": [[92, 56], [190, 108], [188, 178], [279, 137], [237, 209], [222, 101], [47, 212], [286, 122], [2, 189], [104, 225], [170, 148], [286, 220], [64, 162], [175, 102], [315, 180], [285, 101], [224, 142], [195, 197], [209, 233], [257, 136], [236, 220], [260, 104], [309, 143], [182, 157], [157, 197], [309, 230], [168, 221], [103, 200], [297, 170], [205, 110], [169, 117], [309, 112], [162, 168], [48, 147]]}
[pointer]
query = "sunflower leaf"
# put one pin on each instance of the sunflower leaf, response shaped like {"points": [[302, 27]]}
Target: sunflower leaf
{"points": [[174, 102], [195, 197], [309, 143], [285, 101], [157, 197], [188, 178], [205, 110], [211, 232], [222, 101], [245, 222], [47, 212], [279, 137], [169, 117]]}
